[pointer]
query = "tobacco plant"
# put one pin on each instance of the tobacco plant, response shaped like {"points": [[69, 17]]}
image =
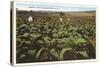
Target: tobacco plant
{"points": [[46, 38]]}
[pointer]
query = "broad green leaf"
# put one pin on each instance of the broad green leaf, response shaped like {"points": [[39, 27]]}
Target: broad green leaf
{"points": [[40, 41], [83, 53], [39, 53], [80, 41], [63, 52], [22, 25], [32, 52], [54, 53], [27, 42], [25, 35]]}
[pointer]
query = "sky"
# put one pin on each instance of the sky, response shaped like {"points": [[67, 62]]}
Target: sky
{"points": [[53, 6]]}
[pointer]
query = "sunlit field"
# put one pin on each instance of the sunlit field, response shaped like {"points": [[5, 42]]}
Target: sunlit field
{"points": [[55, 36]]}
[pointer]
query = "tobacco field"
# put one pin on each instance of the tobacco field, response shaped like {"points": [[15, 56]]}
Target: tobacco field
{"points": [[55, 36]]}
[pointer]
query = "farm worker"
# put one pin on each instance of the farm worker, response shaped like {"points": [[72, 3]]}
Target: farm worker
{"points": [[30, 19], [61, 19]]}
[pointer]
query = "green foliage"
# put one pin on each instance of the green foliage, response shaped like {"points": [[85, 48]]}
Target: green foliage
{"points": [[48, 39], [39, 53], [54, 53], [83, 53], [63, 52]]}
